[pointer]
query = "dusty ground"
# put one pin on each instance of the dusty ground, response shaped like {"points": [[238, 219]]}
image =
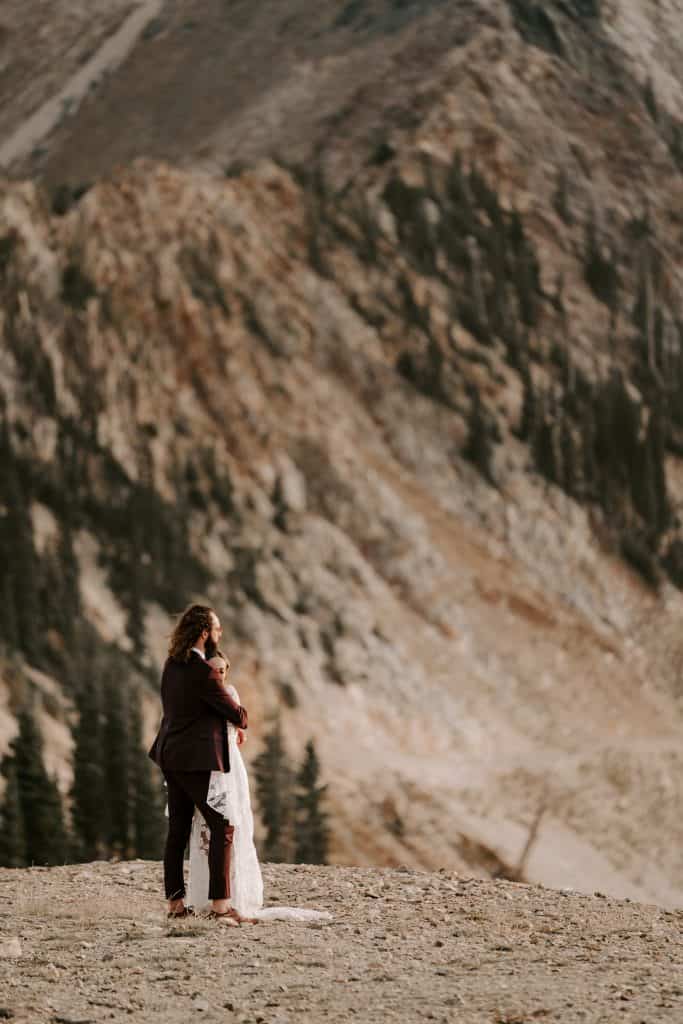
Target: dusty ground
{"points": [[90, 943]]}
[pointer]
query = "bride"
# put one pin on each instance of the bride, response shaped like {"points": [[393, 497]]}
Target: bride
{"points": [[229, 795]]}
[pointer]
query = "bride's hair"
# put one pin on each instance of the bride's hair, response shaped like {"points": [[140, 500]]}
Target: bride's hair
{"points": [[188, 629]]}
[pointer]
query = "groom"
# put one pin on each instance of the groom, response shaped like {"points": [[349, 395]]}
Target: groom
{"points": [[191, 743]]}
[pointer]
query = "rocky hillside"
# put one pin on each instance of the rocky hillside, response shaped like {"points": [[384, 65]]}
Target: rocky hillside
{"points": [[441, 947], [405, 407]]}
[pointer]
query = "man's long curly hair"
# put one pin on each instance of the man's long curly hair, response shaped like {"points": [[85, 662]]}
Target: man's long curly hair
{"points": [[189, 628]]}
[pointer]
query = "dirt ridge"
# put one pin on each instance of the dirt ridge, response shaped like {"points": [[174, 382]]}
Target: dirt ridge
{"points": [[91, 942]]}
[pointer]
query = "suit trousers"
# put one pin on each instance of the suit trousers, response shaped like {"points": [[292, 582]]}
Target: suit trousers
{"points": [[187, 790]]}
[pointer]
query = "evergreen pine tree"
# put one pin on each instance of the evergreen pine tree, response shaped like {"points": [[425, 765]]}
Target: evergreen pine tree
{"points": [[601, 271], [12, 833], [657, 443], [115, 767], [88, 795], [59, 837], [479, 446], [561, 198], [648, 480], [543, 445], [274, 781], [650, 98], [39, 799], [569, 458], [9, 627], [70, 600], [312, 833], [21, 569], [589, 466], [527, 419], [147, 813]]}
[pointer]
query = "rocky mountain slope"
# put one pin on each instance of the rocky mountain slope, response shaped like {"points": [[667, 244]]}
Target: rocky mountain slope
{"points": [[406, 410], [90, 943]]}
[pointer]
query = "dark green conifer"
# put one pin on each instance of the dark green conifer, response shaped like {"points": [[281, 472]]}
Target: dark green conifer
{"points": [[648, 479], [312, 832], [41, 806], [274, 784], [527, 419], [54, 814], [479, 446], [650, 98], [115, 765], [544, 451], [21, 569], [600, 266], [89, 800], [589, 466], [561, 198], [9, 626], [569, 458], [147, 811], [12, 832]]}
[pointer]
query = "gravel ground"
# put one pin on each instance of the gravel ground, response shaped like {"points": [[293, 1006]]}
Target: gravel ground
{"points": [[91, 943]]}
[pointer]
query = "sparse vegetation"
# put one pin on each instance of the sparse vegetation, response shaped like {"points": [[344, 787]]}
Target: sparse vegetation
{"points": [[32, 829], [291, 803], [479, 447], [77, 287]]}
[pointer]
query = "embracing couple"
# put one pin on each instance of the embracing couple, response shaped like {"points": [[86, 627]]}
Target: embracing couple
{"points": [[198, 750], [201, 731]]}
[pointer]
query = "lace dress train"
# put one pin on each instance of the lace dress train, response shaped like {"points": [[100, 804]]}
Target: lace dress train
{"points": [[229, 795]]}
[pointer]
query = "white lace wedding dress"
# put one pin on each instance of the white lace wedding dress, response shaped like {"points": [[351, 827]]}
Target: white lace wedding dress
{"points": [[229, 795]]}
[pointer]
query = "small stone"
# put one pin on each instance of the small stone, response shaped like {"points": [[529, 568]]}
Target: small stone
{"points": [[200, 1004], [60, 1019]]}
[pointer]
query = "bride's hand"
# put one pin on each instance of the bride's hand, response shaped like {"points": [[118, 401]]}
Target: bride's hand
{"points": [[241, 737]]}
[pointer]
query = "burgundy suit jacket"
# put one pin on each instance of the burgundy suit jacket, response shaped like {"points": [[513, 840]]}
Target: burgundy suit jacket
{"points": [[192, 736]]}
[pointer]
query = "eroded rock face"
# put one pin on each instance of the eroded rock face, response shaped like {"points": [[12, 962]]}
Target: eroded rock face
{"points": [[364, 424]]}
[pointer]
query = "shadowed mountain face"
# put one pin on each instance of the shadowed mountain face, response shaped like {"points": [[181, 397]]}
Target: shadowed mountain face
{"points": [[210, 83], [405, 405], [217, 81]]}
